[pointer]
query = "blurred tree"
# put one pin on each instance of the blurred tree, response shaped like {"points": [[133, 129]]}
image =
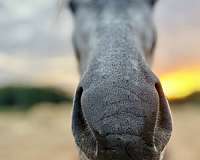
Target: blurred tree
{"points": [[25, 97]]}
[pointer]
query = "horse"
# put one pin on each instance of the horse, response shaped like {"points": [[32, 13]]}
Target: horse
{"points": [[119, 109]]}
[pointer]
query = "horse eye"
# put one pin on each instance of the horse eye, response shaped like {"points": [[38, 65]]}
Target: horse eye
{"points": [[152, 2], [73, 6]]}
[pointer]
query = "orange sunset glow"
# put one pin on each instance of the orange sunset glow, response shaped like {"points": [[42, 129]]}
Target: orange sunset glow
{"points": [[181, 83]]}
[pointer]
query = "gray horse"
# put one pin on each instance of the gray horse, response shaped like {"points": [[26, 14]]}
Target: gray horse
{"points": [[120, 111]]}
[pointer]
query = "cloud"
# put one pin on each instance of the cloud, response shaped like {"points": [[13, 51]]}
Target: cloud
{"points": [[32, 26], [54, 71]]}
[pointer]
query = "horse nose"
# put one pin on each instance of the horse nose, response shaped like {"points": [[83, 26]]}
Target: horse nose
{"points": [[147, 134], [124, 118]]}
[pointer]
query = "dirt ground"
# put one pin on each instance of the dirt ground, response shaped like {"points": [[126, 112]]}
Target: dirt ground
{"points": [[44, 133]]}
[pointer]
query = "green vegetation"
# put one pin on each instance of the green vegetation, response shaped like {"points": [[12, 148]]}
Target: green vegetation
{"points": [[25, 97]]}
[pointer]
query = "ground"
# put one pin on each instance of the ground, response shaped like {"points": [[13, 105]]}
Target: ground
{"points": [[44, 133]]}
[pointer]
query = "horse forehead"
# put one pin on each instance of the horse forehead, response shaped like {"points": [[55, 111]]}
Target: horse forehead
{"points": [[122, 4], [105, 2], [115, 1]]}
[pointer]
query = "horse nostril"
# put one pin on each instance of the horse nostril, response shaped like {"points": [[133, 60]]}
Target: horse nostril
{"points": [[77, 117], [163, 126], [82, 131], [164, 108]]}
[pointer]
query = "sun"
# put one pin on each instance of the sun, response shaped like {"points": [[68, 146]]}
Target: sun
{"points": [[179, 84]]}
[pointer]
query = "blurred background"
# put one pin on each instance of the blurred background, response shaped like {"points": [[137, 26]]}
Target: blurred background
{"points": [[38, 75]]}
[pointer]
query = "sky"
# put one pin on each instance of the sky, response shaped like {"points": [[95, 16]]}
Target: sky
{"points": [[35, 41], [178, 25], [33, 27]]}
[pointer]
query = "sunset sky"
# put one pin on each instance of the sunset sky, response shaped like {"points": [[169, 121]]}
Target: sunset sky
{"points": [[35, 45]]}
